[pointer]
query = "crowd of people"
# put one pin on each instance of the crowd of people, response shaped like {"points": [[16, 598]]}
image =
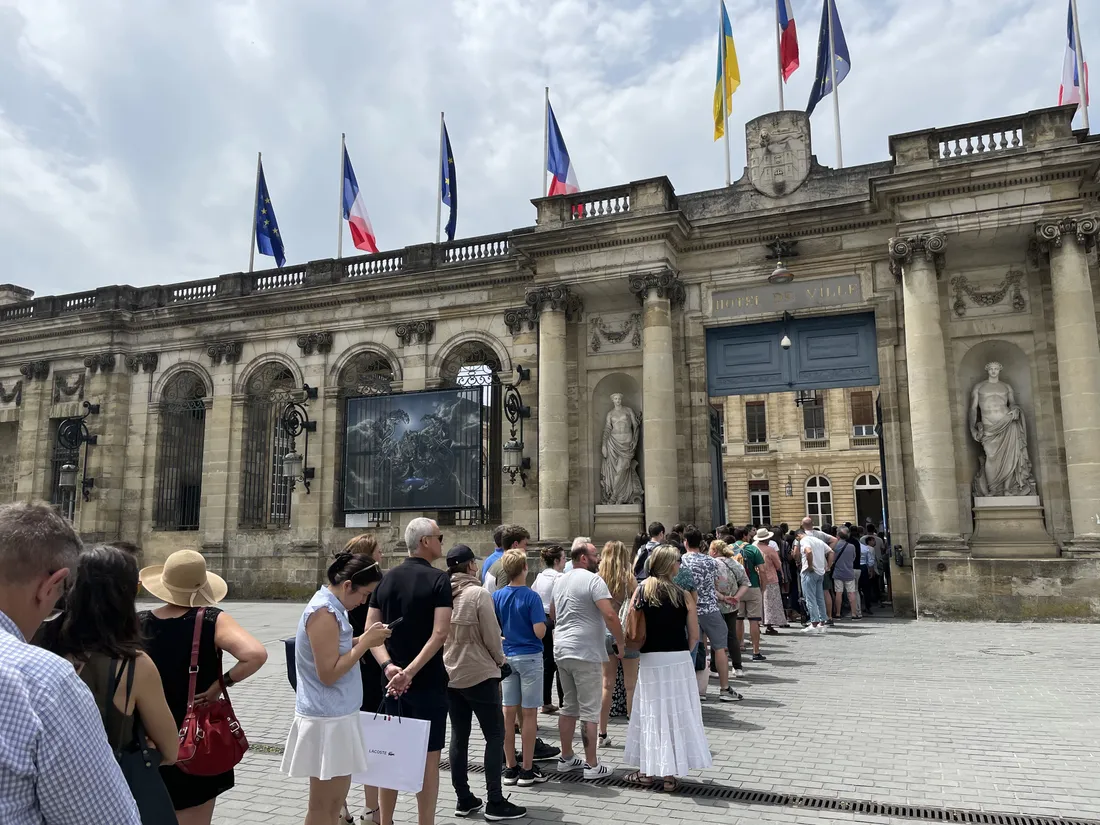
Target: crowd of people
{"points": [[606, 632]]}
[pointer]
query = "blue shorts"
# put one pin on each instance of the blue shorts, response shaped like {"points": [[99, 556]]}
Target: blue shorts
{"points": [[524, 687], [609, 643]]}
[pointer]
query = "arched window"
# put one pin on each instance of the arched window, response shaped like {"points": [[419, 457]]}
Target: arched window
{"points": [[869, 499], [366, 374], [180, 439], [473, 364], [868, 482], [265, 494], [819, 500]]}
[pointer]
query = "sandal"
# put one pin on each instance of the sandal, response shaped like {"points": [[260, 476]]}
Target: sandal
{"points": [[670, 784], [371, 817], [345, 814], [640, 779]]}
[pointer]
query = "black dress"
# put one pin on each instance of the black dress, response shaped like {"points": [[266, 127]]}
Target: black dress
{"points": [[373, 689], [168, 643]]}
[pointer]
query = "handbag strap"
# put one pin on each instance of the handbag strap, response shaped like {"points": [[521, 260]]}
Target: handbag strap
{"points": [[193, 670]]}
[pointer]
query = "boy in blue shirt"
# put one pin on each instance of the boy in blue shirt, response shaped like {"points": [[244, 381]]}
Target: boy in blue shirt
{"points": [[523, 625]]}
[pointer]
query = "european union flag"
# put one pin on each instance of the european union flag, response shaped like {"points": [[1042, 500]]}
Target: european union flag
{"points": [[268, 239], [823, 82], [448, 184]]}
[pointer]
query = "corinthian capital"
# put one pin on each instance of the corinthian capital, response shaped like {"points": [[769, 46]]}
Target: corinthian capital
{"points": [[931, 245], [666, 284], [559, 298], [1083, 228]]}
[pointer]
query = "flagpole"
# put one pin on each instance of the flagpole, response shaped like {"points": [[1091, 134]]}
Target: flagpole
{"points": [[545, 141], [1080, 63], [255, 205], [439, 183], [340, 218], [836, 91], [725, 113], [779, 54]]}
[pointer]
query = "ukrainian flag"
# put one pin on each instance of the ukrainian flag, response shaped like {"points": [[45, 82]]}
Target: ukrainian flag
{"points": [[727, 68]]}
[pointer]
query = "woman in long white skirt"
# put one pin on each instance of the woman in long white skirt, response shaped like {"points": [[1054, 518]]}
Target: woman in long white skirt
{"points": [[665, 737], [325, 741]]}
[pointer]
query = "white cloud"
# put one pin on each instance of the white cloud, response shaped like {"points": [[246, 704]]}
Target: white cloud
{"points": [[128, 132]]}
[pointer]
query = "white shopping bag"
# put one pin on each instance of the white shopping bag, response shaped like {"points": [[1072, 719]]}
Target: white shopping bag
{"points": [[397, 748]]}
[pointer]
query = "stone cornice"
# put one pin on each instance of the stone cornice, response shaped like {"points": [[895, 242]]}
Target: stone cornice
{"points": [[1083, 228], [666, 284], [419, 332], [557, 298], [931, 245]]}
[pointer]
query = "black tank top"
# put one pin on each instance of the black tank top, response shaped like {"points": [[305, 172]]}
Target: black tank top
{"points": [[665, 628], [168, 643]]}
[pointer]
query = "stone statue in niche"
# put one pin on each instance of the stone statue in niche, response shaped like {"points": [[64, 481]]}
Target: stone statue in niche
{"points": [[996, 423], [619, 480]]}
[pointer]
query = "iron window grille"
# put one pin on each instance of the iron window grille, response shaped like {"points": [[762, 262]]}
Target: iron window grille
{"points": [[180, 442], [265, 499]]}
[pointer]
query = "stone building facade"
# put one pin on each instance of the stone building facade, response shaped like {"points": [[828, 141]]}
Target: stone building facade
{"points": [[969, 244]]}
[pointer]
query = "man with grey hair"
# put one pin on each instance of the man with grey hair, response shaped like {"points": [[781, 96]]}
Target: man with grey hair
{"points": [[412, 658], [579, 543], [56, 766]]}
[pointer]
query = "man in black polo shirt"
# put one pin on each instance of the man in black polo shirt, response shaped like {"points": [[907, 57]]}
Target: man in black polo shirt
{"points": [[412, 658]]}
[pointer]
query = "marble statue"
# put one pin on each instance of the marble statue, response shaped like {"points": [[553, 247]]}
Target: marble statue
{"points": [[619, 480], [996, 423]]}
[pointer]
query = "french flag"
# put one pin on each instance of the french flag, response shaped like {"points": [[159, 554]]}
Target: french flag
{"points": [[355, 211], [788, 39], [1070, 90], [558, 163]]}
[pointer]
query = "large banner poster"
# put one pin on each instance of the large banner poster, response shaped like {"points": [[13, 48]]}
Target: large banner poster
{"points": [[414, 451]]}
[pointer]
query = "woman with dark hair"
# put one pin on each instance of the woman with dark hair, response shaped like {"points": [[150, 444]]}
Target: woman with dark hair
{"points": [[554, 559], [325, 741], [100, 635]]}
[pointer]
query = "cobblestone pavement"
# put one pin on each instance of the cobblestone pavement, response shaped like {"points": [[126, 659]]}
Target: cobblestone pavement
{"points": [[994, 717]]}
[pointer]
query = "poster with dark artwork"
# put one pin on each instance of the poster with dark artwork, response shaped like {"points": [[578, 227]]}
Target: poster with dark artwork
{"points": [[414, 451]]}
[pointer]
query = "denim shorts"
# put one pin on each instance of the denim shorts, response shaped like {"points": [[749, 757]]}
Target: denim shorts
{"points": [[524, 687], [609, 643]]}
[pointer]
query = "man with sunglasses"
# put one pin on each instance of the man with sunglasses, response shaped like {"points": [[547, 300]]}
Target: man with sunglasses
{"points": [[55, 766], [412, 658]]}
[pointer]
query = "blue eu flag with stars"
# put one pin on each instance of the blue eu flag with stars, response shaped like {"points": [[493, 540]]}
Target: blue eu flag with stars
{"points": [[448, 184], [269, 241]]}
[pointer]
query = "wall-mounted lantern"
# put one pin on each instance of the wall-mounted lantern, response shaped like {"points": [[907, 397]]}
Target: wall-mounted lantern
{"points": [[789, 488], [71, 434], [514, 462], [295, 421]]}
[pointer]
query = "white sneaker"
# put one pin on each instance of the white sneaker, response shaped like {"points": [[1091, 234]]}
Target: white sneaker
{"points": [[821, 628], [739, 673], [809, 629], [597, 772], [570, 764]]}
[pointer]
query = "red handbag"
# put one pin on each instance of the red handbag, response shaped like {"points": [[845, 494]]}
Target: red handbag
{"points": [[212, 741]]}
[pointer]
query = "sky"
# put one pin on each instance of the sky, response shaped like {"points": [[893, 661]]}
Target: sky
{"points": [[129, 130]]}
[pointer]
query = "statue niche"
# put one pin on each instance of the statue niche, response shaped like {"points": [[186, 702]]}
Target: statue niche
{"points": [[997, 423], [619, 479]]}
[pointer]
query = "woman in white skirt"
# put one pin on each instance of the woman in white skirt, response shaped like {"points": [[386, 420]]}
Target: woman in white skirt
{"points": [[325, 741], [665, 737]]}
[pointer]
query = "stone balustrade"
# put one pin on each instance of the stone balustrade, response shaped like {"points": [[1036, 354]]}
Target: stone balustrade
{"points": [[638, 197], [194, 291]]}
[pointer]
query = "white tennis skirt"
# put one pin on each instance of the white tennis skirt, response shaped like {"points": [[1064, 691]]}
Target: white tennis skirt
{"points": [[324, 747], [665, 736]]}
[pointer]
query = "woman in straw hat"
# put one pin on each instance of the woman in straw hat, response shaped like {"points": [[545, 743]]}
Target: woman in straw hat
{"points": [[184, 585]]}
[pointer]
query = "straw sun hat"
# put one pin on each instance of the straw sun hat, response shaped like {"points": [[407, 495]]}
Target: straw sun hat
{"points": [[183, 581]]}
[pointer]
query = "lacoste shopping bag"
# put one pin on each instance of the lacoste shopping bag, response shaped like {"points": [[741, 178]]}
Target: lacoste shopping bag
{"points": [[397, 748]]}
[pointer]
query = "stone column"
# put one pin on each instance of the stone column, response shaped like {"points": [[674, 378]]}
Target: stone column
{"points": [[659, 294], [918, 261], [1068, 242], [552, 306]]}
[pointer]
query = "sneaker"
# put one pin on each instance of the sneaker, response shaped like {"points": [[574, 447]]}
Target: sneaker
{"points": [[714, 674], [759, 657], [498, 811], [855, 618], [535, 776], [830, 623], [510, 776], [810, 628], [597, 772], [739, 672], [605, 741], [544, 751], [702, 697], [821, 628], [466, 807], [571, 764], [730, 695], [549, 710]]}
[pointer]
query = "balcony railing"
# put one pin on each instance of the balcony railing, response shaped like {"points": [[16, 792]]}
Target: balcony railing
{"points": [[476, 249], [194, 291], [755, 447], [864, 442], [16, 312], [384, 263], [815, 443], [77, 303], [601, 204], [979, 139], [278, 279]]}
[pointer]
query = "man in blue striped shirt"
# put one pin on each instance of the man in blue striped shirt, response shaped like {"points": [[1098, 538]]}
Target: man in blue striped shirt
{"points": [[56, 767]]}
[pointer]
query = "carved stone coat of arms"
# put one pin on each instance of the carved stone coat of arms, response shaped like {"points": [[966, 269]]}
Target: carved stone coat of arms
{"points": [[778, 152]]}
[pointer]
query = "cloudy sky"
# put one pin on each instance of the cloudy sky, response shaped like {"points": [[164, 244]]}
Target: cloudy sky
{"points": [[129, 128]]}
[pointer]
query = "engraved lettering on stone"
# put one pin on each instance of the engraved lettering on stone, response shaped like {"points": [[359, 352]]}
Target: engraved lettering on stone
{"points": [[996, 423], [619, 480], [1010, 285], [778, 152]]}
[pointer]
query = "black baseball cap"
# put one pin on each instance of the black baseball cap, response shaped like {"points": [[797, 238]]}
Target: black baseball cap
{"points": [[459, 555]]}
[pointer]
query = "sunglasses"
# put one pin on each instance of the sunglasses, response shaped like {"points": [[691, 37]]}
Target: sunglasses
{"points": [[363, 573]]}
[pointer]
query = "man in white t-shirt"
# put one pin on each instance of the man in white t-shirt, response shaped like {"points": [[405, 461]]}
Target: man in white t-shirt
{"points": [[813, 552], [581, 608]]}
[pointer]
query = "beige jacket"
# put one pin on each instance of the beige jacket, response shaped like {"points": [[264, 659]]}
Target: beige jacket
{"points": [[474, 651]]}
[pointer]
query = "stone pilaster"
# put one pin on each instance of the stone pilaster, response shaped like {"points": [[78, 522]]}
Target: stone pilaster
{"points": [[551, 306], [1068, 242], [658, 294], [32, 453], [917, 261]]}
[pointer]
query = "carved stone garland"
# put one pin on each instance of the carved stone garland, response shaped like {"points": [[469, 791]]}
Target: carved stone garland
{"points": [[631, 324], [68, 385], [963, 288], [15, 395]]}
